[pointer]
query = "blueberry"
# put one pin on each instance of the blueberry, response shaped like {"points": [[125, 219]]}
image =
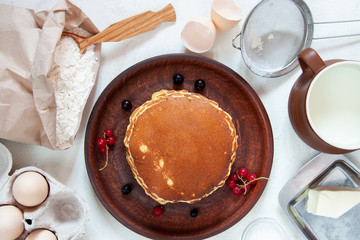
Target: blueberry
{"points": [[178, 79], [194, 213], [126, 189], [126, 104], [199, 85]]}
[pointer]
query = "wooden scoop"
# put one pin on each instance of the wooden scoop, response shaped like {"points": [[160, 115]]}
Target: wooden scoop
{"points": [[127, 28]]}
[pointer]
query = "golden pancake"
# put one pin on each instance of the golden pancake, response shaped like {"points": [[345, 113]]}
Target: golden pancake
{"points": [[180, 146]]}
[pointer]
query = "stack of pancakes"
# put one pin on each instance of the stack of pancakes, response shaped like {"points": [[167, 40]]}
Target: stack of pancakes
{"points": [[180, 146]]}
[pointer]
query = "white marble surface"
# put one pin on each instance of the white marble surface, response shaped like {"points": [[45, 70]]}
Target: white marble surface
{"points": [[290, 153]]}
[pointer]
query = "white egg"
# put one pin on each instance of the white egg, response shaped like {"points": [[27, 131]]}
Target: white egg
{"points": [[225, 14], [41, 234], [11, 222], [30, 189], [198, 35]]}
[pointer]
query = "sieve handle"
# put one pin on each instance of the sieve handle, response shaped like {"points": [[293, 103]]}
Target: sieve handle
{"points": [[337, 36], [310, 59], [234, 43]]}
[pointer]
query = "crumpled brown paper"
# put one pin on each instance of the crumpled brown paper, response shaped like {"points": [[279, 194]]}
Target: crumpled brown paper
{"points": [[27, 44]]}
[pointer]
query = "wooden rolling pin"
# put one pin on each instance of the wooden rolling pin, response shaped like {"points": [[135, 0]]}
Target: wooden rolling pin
{"points": [[127, 28]]}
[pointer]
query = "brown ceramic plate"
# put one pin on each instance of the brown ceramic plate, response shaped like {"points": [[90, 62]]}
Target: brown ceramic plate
{"points": [[221, 209]]}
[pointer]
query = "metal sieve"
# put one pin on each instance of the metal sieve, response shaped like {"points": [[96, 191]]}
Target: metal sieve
{"points": [[273, 34]]}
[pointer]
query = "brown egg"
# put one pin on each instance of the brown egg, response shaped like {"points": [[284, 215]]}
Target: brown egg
{"points": [[30, 189], [11, 222]]}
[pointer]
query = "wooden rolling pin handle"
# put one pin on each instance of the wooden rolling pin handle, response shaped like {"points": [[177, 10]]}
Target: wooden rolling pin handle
{"points": [[168, 13], [132, 26]]}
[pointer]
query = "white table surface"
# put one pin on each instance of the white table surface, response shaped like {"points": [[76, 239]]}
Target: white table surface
{"points": [[290, 153]]}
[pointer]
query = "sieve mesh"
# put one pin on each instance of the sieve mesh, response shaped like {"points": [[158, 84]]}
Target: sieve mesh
{"points": [[273, 34]]}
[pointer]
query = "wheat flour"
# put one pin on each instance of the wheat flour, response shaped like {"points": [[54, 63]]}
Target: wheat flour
{"points": [[73, 76]]}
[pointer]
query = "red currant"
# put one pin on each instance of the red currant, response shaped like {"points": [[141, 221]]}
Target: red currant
{"points": [[237, 190], [157, 211], [243, 172], [251, 178], [247, 187], [111, 140], [231, 183], [234, 177], [108, 133], [103, 150], [101, 142]]}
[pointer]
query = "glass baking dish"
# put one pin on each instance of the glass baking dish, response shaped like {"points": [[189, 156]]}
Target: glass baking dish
{"points": [[323, 170]]}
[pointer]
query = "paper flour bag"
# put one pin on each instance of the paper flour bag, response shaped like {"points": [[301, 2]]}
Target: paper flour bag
{"points": [[44, 80]]}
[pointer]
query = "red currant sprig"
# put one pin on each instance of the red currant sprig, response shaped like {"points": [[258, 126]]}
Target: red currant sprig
{"points": [[103, 143], [241, 181]]}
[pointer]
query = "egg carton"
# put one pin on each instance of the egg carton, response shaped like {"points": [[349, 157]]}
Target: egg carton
{"points": [[62, 212]]}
